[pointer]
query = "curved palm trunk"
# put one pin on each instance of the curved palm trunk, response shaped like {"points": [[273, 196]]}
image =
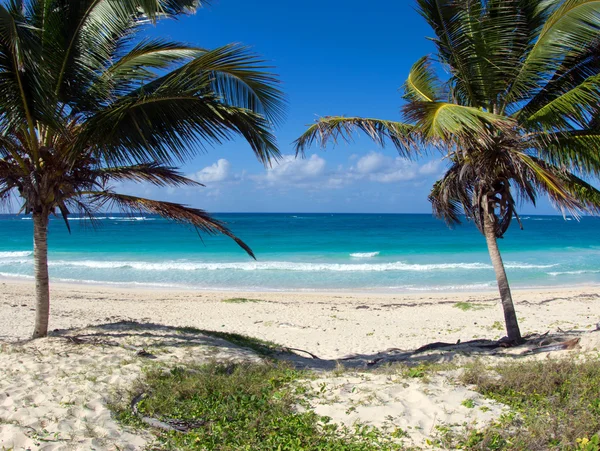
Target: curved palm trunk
{"points": [[510, 316], [40, 270]]}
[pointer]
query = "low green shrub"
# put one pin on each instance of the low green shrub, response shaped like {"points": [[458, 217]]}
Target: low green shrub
{"points": [[244, 407], [555, 406]]}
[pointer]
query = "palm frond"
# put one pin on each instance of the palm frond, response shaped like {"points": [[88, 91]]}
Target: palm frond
{"points": [[153, 173], [234, 74], [142, 62], [21, 87], [447, 196], [568, 30], [197, 218], [170, 125], [331, 129], [443, 17], [551, 180], [574, 70], [575, 149], [574, 107], [89, 29], [587, 195], [422, 84], [446, 122]]}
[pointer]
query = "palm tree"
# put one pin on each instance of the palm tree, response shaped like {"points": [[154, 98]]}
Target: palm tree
{"points": [[516, 117], [86, 102]]}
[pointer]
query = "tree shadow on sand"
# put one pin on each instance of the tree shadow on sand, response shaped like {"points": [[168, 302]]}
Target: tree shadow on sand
{"points": [[148, 339]]}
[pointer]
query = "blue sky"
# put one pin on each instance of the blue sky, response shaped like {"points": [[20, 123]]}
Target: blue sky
{"points": [[334, 58]]}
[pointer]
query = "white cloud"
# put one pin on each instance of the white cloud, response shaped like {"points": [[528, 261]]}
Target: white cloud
{"points": [[381, 168], [432, 168], [218, 172], [295, 171], [372, 163], [374, 167]]}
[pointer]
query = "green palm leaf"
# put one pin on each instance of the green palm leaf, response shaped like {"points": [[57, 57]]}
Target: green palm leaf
{"points": [[170, 125], [197, 218], [570, 27], [332, 129], [576, 149], [573, 107], [153, 173], [234, 74], [442, 121], [422, 84]]}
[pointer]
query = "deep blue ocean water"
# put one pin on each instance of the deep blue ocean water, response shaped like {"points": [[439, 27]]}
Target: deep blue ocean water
{"points": [[378, 252]]}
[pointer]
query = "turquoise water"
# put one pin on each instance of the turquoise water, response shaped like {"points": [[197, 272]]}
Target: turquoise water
{"points": [[401, 253]]}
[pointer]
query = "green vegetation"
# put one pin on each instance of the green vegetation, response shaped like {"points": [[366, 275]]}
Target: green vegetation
{"points": [[466, 306], [555, 406], [261, 347], [240, 300], [424, 370], [516, 116], [468, 403], [243, 407], [497, 325]]}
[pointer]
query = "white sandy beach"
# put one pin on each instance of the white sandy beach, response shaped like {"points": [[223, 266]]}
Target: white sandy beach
{"points": [[54, 391]]}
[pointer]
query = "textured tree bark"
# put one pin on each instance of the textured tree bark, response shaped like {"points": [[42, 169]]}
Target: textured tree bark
{"points": [[40, 270], [510, 316]]}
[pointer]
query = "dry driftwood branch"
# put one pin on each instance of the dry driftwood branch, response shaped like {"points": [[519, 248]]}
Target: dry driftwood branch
{"points": [[168, 424]]}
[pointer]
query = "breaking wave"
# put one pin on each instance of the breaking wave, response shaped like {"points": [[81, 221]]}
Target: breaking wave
{"points": [[364, 254], [15, 254], [281, 266]]}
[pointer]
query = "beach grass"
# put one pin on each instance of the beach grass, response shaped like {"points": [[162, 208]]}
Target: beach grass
{"points": [[555, 405], [243, 406], [467, 306], [240, 301], [263, 348]]}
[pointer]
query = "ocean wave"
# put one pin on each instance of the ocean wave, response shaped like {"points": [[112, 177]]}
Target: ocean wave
{"points": [[102, 218], [573, 273], [280, 266], [516, 265], [127, 219], [15, 254], [9, 275], [364, 254], [116, 218], [467, 287]]}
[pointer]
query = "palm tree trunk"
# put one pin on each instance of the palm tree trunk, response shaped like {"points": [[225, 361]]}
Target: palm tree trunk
{"points": [[40, 270], [510, 316]]}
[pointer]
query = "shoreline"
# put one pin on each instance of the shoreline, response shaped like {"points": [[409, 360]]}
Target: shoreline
{"points": [[442, 291]]}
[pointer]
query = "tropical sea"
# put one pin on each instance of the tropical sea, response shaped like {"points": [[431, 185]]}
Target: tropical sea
{"points": [[313, 252]]}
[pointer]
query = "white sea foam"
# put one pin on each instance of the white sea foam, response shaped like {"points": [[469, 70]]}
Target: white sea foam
{"points": [[280, 266], [115, 218], [15, 254], [517, 265], [573, 273], [100, 218], [467, 287], [15, 276], [364, 254], [126, 218]]}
